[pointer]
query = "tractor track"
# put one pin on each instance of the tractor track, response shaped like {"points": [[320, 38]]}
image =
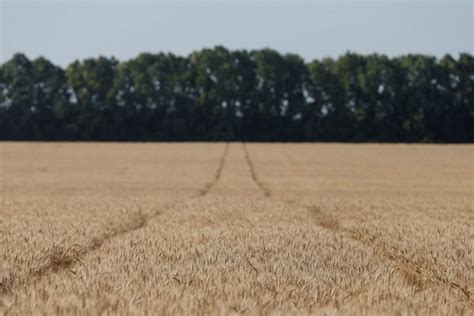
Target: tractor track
{"points": [[59, 258], [418, 275], [217, 176], [253, 173]]}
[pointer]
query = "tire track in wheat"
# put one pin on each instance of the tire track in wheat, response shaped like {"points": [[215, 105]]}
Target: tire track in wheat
{"points": [[217, 176], [60, 258], [253, 172], [418, 275]]}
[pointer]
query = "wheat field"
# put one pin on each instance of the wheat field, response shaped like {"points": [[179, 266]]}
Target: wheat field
{"points": [[219, 229]]}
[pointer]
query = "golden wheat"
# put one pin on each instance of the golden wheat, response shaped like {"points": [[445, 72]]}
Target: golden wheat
{"points": [[195, 228]]}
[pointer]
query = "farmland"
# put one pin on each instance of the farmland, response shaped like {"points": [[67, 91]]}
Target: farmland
{"points": [[230, 228]]}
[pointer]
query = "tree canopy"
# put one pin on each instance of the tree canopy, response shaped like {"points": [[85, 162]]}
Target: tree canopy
{"points": [[222, 95]]}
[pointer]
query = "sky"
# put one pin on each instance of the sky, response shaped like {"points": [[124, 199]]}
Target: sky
{"points": [[64, 31]]}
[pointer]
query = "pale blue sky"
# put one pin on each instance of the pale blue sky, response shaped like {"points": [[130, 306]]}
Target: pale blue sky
{"points": [[69, 30]]}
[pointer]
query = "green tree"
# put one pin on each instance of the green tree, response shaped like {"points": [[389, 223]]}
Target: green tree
{"points": [[33, 99], [218, 94], [217, 83], [454, 117], [91, 83]]}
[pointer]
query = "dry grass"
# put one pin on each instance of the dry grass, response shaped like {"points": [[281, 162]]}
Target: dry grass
{"points": [[233, 228]]}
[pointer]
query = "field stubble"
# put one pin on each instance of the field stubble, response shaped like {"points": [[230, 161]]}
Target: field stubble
{"points": [[236, 228]]}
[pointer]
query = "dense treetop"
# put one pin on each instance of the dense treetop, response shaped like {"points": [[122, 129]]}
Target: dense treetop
{"points": [[260, 95]]}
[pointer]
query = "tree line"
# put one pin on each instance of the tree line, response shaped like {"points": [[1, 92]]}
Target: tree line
{"points": [[222, 95]]}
